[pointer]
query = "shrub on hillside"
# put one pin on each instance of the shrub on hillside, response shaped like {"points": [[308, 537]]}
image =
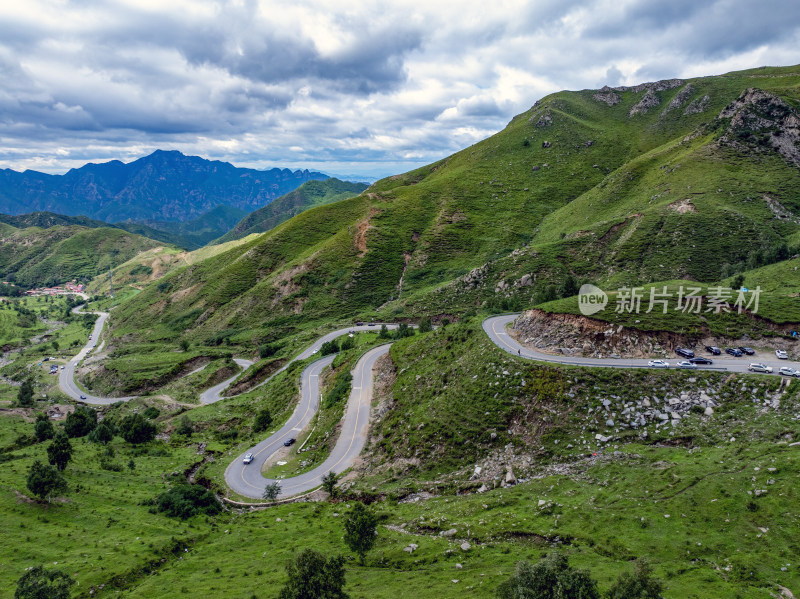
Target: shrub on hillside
{"points": [[551, 577], [136, 429], [185, 501]]}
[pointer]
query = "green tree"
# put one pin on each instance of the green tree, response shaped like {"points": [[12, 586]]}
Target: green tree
{"points": [[347, 343], [425, 325], [81, 422], [136, 429], [185, 426], [38, 583], [313, 576], [738, 282], [639, 585], [102, 433], [329, 481], [25, 394], [262, 420], [570, 287], [43, 428], [360, 527], [329, 347], [184, 501], [384, 334], [59, 452], [184, 345], [131, 465], [271, 491], [403, 331], [44, 480], [551, 578]]}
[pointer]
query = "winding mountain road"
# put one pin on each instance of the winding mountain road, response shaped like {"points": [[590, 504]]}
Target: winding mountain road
{"points": [[66, 377], [496, 327], [246, 479]]}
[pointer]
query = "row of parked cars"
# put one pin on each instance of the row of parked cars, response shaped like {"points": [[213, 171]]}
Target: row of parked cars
{"points": [[737, 352]]}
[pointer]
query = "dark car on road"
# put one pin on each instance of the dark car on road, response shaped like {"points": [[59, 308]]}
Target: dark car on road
{"points": [[701, 360], [289, 442], [734, 351], [714, 350], [747, 350], [684, 353]]}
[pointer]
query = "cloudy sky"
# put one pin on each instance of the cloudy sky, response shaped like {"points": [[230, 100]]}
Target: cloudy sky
{"points": [[357, 87]]}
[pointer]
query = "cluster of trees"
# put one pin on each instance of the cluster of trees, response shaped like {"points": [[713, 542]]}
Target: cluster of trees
{"points": [[554, 577], [311, 575], [401, 332], [46, 479], [334, 345], [184, 501]]}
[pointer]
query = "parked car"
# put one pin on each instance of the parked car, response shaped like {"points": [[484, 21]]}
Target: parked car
{"points": [[789, 371], [359, 324], [734, 351], [781, 354], [713, 349], [83, 397], [658, 364], [756, 367], [248, 458], [684, 353], [686, 364], [289, 442], [701, 360], [747, 350]]}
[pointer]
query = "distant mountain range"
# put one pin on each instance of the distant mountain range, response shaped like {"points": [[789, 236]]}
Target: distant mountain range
{"points": [[164, 186]]}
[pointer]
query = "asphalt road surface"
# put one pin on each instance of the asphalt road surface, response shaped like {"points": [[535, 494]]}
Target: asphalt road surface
{"points": [[66, 377], [246, 479], [496, 328]]}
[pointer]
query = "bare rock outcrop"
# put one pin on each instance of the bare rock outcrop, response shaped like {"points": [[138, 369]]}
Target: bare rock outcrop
{"points": [[697, 105], [760, 120], [649, 100], [607, 96], [680, 98]]}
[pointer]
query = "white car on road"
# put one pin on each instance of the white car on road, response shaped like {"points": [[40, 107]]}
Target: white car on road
{"points": [[248, 458], [755, 367], [658, 364], [781, 354], [686, 364], [789, 371]]}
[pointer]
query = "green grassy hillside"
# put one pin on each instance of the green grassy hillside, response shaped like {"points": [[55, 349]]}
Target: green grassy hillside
{"points": [[638, 184], [35, 257], [308, 195]]}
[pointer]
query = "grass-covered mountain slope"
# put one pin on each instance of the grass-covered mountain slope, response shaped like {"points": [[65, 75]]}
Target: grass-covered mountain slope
{"points": [[691, 179], [308, 195], [36, 257]]}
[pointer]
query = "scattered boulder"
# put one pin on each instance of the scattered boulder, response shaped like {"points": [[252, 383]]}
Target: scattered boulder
{"points": [[465, 546]]}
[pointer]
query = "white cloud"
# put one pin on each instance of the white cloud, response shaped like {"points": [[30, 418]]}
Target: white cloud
{"points": [[364, 85]]}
